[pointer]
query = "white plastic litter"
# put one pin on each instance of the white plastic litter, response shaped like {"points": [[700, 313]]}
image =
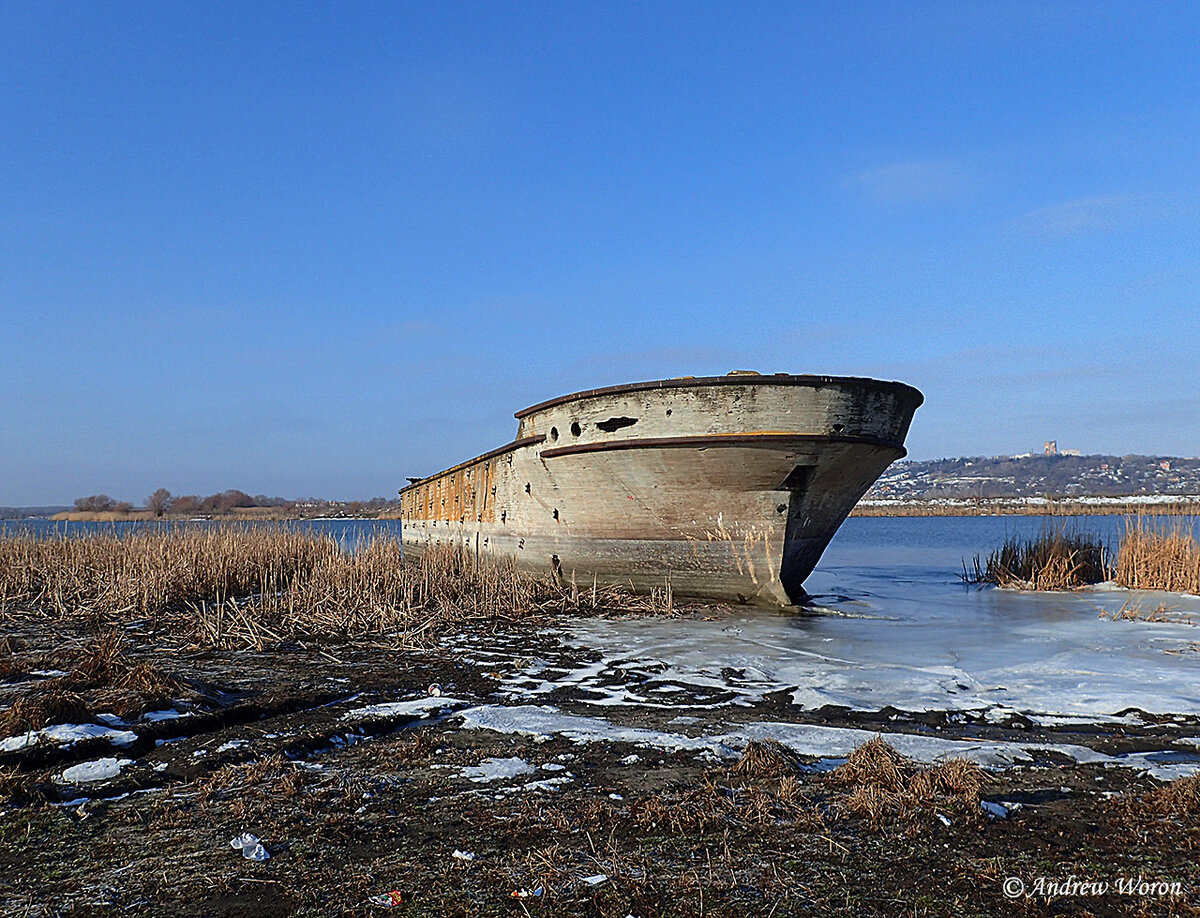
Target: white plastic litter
{"points": [[250, 847], [463, 855], [596, 880], [1001, 810], [944, 818]]}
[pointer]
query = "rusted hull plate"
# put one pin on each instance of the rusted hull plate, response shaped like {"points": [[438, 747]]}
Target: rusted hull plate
{"points": [[728, 488]]}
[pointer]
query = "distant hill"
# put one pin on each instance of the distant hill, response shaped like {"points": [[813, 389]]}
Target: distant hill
{"points": [[28, 513], [1060, 476]]}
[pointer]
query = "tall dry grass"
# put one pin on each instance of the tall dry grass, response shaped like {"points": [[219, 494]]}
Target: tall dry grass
{"points": [[248, 585], [1050, 561], [1159, 554]]}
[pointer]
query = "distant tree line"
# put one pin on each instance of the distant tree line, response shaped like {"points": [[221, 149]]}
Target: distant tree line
{"points": [[162, 503]]}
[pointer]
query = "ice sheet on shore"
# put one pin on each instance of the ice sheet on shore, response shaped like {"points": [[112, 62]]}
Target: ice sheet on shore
{"points": [[810, 740], [420, 706], [925, 647]]}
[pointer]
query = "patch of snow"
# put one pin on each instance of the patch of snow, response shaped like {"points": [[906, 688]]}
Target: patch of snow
{"points": [[98, 770], [168, 714], [232, 744], [548, 784], [66, 734], [20, 741], [496, 769]]}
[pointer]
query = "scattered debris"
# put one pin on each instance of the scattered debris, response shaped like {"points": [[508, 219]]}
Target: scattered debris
{"points": [[999, 810], [466, 856], [250, 847], [388, 900]]}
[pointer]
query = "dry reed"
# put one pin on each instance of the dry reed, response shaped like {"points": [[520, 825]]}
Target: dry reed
{"points": [[1157, 555], [1051, 561], [246, 586]]}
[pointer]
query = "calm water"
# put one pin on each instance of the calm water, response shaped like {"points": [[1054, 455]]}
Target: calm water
{"points": [[347, 532]]}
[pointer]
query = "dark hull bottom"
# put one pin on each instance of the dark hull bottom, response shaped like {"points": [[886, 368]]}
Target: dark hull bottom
{"points": [[737, 572]]}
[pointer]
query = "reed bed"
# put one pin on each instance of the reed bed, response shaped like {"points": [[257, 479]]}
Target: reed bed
{"points": [[245, 586], [1156, 554], [1050, 561]]}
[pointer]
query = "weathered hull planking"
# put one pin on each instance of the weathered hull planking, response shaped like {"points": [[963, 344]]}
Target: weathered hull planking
{"points": [[728, 487]]}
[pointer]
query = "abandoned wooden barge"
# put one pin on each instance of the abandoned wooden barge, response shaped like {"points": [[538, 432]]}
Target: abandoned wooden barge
{"points": [[727, 487]]}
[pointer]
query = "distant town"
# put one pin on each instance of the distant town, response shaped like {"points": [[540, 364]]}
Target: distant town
{"points": [[1053, 474]]}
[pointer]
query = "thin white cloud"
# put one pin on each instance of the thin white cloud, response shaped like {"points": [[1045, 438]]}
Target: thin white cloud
{"points": [[1097, 214], [910, 182]]}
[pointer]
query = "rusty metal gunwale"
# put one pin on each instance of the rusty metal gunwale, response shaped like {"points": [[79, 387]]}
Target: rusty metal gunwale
{"points": [[710, 440], [781, 379], [491, 454]]}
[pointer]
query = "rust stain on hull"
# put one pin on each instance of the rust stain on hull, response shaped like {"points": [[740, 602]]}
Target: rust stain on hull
{"points": [[730, 487]]}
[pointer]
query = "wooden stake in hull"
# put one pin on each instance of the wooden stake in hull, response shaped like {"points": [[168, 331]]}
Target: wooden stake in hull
{"points": [[728, 487]]}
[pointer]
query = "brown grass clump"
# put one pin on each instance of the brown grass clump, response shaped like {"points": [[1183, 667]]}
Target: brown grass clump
{"points": [[880, 785], [101, 660], [1155, 555], [10, 650], [1052, 561], [766, 759], [57, 705], [1178, 799], [695, 810], [111, 683]]}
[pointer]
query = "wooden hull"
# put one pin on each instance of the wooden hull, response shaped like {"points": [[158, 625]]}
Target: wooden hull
{"points": [[727, 487]]}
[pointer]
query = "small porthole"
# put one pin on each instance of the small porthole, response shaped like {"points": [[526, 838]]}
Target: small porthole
{"points": [[553, 433], [576, 430]]}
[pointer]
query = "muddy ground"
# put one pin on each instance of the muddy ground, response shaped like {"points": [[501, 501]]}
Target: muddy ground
{"points": [[362, 810]]}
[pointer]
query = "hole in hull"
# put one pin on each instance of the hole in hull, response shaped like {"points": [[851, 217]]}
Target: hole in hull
{"points": [[613, 424]]}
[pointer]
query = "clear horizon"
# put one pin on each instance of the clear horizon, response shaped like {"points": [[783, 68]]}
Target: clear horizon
{"points": [[313, 251]]}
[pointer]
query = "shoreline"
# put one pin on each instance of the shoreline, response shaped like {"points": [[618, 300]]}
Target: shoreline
{"points": [[1151, 505]]}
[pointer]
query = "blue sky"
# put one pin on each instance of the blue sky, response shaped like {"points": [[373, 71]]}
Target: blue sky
{"points": [[313, 249]]}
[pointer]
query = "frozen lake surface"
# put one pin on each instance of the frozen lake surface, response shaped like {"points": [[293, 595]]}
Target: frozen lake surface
{"points": [[892, 625]]}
